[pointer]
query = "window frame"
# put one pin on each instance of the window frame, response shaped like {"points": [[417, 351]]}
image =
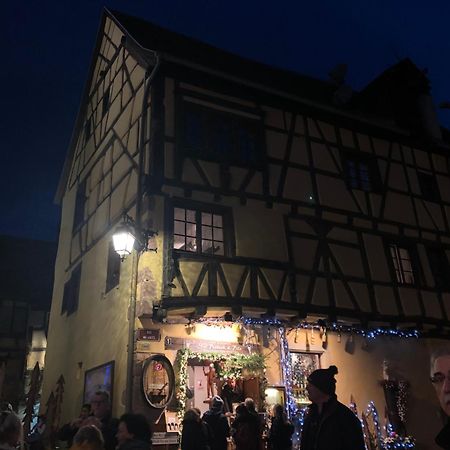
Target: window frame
{"points": [[113, 267], [373, 179], [238, 122], [413, 259], [71, 293], [229, 244], [80, 206]]}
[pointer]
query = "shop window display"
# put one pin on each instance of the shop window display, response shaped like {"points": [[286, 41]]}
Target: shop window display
{"points": [[302, 365]]}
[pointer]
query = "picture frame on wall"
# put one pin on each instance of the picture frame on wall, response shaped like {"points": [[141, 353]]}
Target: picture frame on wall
{"points": [[99, 378]]}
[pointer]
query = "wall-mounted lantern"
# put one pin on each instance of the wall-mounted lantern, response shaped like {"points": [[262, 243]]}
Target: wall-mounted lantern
{"points": [[128, 236]]}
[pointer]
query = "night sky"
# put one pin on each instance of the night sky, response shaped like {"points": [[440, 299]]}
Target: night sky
{"points": [[47, 46]]}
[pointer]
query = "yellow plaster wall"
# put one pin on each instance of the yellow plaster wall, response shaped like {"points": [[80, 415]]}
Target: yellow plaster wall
{"points": [[360, 373], [94, 334]]}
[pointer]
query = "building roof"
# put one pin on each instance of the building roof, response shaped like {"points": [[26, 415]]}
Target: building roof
{"points": [[154, 37], [26, 271]]}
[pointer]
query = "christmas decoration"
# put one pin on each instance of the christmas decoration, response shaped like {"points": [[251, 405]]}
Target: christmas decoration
{"points": [[230, 366], [32, 397]]}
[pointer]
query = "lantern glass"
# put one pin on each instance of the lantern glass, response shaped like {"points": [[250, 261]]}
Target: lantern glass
{"points": [[123, 240]]}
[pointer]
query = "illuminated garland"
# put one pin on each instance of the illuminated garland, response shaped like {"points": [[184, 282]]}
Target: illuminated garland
{"points": [[319, 325]]}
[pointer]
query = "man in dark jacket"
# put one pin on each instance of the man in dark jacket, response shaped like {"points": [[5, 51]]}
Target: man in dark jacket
{"points": [[102, 419], [216, 419], [329, 425], [440, 377]]}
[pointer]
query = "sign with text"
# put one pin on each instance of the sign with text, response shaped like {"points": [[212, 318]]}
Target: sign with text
{"points": [[164, 438], [148, 335], [198, 345]]}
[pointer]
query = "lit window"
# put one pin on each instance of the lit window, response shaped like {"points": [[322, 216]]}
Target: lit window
{"points": [[198, 231], [403, 267]]}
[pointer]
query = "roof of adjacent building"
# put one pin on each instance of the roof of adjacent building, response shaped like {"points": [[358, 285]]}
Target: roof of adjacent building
{"points": [[26, 271]]}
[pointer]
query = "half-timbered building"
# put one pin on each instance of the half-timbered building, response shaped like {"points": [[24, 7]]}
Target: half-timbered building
{"points": [[287, 216]]}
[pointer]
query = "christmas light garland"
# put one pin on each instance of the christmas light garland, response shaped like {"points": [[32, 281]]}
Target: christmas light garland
{"points": [[318, 325]]}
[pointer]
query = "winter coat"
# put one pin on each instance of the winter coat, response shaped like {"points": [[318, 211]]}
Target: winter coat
{"points": [[220, 428], [109, 431], [280, 434], [196, 435], [135, 444], [443, 438], [336, 428], [247, 432]]}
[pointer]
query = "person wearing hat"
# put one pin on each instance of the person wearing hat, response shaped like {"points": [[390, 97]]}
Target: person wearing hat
{"points": [[216, 419], [329, 425]]}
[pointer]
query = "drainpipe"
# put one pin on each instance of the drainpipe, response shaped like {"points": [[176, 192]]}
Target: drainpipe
{"points": [[136, 253]]}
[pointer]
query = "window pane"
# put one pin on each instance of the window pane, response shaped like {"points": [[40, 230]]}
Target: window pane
{"points": [[191, 229], [178, 242], [190, 216], [217, 220], [207, 247], [179, 214], [206, 218], [218, 249], [191, 246], [179, 227], [206, 232], [218, 234]]}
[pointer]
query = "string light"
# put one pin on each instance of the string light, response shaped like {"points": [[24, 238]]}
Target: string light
{"points": [[321, 326]]}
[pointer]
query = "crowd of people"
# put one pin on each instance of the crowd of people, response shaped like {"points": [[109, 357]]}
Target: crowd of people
{"points": [[328, 424]]}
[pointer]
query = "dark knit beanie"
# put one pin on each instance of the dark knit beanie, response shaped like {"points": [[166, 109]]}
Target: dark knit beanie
{"points": [[323, 379]]}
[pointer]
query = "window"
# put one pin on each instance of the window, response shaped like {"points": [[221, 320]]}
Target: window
{"points": [[361, 172], [200, 231], [439, 266], [105, 102], [428, 186], [401, 259], [221, 136], [80, 203], [113, 268], [72, 292], [87, 130]]}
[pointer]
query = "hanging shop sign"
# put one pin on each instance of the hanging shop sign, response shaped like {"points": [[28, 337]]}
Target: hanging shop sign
{"points": [[164, 438], [199, 345]]}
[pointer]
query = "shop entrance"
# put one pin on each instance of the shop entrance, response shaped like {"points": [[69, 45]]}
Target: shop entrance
{"points": [[232, 377]]}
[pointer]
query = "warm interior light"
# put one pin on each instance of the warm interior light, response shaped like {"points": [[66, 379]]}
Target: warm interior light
{"points": [[216, 333], [123, 240]]}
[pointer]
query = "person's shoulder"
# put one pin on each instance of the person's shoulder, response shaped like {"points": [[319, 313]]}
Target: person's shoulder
{"points": [[347, 412]]}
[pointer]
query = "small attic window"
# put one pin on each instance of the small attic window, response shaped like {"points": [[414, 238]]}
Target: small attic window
{"points": [[87, 130], [105, 102]]}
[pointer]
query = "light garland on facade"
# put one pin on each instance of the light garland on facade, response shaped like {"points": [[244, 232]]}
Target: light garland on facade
{"points": [[319, 325]]}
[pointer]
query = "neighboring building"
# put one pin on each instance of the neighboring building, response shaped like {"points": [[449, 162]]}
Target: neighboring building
{"points": [[26, 273], [275, 197]]}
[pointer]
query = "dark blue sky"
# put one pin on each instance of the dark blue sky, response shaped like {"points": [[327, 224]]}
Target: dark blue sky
{"points": [[47, 45]]}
